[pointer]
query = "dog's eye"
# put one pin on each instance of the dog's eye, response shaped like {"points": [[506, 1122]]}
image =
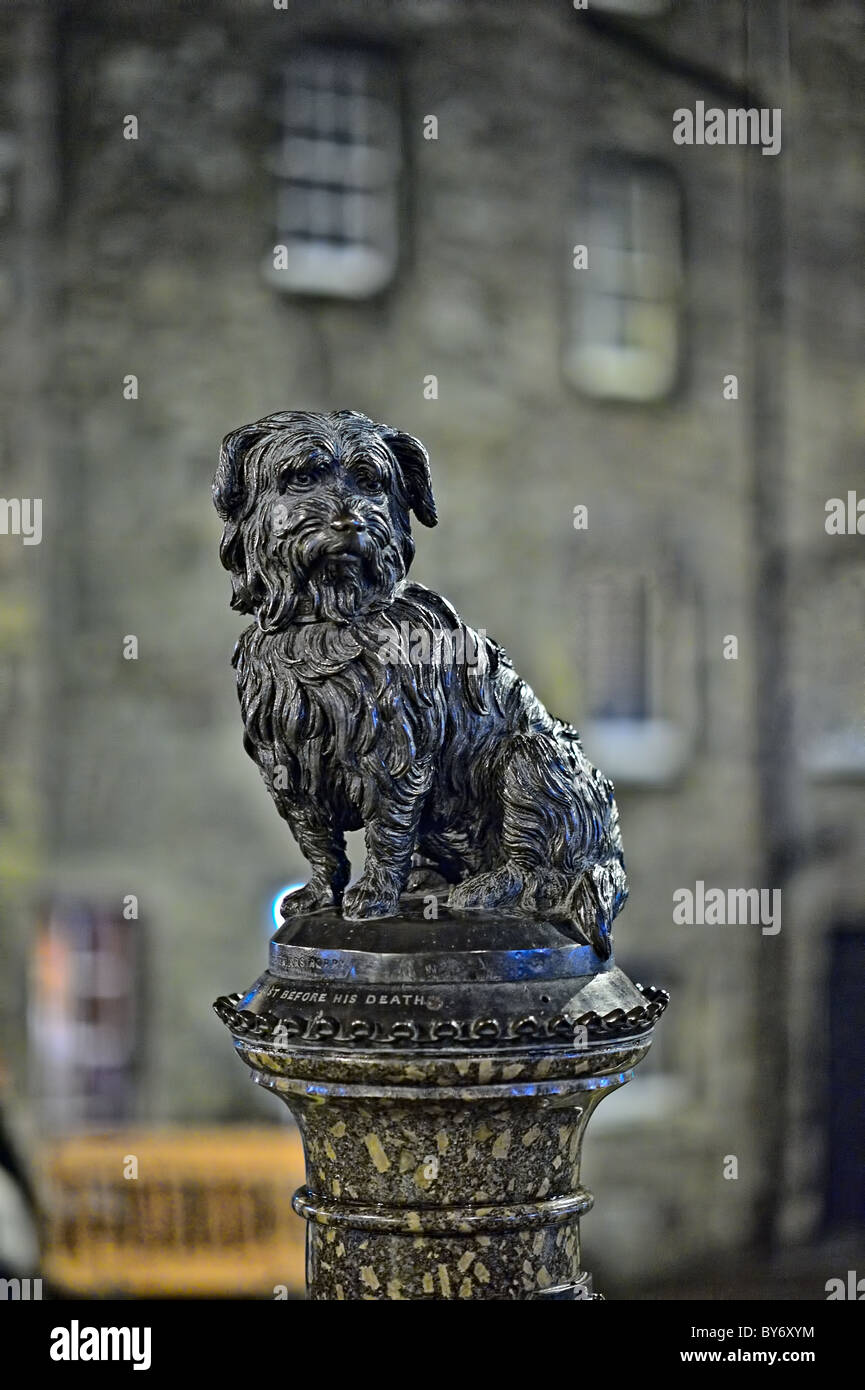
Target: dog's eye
{"points": [[290, 479], [370, 482]]}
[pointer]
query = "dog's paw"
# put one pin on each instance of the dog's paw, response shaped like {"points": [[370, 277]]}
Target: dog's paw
{"points": [[544, 891], [489, 890], [426, 879], [311, 898], [374, 895]]}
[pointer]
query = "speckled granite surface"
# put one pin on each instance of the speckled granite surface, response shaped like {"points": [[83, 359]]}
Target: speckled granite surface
{"points": [[442, 1164]]}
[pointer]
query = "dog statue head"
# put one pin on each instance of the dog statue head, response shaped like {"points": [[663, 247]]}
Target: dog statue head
{"points": [[317, 514]]}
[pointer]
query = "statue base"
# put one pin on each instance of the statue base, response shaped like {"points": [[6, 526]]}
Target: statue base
{"points": [[442, 1084]]}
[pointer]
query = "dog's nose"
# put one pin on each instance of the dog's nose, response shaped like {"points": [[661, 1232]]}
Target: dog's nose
{"points": [[348, 523]]}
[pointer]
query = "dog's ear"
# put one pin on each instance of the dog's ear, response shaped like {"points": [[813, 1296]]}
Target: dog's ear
{"points": [[229, 485], [413, 461], [229, 496]]}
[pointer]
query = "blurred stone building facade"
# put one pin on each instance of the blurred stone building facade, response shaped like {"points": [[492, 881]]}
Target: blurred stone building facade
{"points": [[153, 297]]}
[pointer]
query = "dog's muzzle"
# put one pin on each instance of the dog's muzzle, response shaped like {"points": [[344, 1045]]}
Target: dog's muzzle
{"points": [[350, 533]]}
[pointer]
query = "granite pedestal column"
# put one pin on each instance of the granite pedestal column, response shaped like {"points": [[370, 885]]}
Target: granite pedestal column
{"points": [[442, 1083]]}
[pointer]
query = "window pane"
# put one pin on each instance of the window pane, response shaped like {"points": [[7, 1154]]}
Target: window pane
{"points": [[615, 658], [624, 322], [337, 163]]}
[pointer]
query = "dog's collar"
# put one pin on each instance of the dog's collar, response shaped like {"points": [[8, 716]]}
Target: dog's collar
{"points": [[378, 606]]}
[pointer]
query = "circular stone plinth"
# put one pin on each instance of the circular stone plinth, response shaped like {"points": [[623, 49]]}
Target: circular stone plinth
{"points": [[436, 978]]}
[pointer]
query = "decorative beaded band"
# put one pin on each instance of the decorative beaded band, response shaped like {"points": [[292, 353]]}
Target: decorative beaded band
{"points": [[617, 1024]]}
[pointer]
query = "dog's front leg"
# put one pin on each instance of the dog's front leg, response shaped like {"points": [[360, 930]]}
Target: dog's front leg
{"points": [[390, 833], [324, 848]]}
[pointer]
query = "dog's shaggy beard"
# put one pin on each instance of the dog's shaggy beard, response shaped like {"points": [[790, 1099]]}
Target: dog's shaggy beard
{"points": [[304, 576]]}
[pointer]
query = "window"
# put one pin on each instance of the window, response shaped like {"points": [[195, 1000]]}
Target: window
{"points": [[85, 1015], [337, 166], [624, 326], [844, 1182], [635, 645], [830, 617], [617, 648]]}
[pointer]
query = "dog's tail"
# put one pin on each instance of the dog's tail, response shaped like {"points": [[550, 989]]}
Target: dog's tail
{"points": [[565, 811], [559, 810]]}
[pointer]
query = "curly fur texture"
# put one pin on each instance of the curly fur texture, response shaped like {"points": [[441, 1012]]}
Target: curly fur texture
{"points": [[367, 702]]}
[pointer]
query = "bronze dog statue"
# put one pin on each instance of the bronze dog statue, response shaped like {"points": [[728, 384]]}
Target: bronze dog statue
{"points": [[367, 702]]}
